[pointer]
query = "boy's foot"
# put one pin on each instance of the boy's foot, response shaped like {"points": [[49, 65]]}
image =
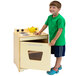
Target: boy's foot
{"points": [[60, 67], [53, 71]]}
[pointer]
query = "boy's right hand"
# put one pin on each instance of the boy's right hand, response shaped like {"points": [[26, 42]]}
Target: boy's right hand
{"points": [[37, 33]]}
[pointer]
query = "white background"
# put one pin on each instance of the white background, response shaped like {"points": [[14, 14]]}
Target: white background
{"points": [[27, 13]]}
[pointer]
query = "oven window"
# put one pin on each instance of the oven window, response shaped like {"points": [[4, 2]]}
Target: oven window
{"points": [[35, 55]]}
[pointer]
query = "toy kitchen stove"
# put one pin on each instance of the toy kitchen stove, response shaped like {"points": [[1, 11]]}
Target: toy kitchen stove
{"points": [[31, 51]]}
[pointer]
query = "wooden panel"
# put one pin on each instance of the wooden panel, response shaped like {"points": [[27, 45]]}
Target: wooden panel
{"points": [[44, 64], [33, 38], [16, 51]]}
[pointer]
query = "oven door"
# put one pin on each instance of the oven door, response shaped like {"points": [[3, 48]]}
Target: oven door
{"points": [[35, 55]]}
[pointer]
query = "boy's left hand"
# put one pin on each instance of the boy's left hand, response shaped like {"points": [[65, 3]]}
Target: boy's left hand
{"points": [[52, 42]]}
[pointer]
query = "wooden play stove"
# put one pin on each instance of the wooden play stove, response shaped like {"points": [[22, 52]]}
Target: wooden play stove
{"points": [[31, 51]]}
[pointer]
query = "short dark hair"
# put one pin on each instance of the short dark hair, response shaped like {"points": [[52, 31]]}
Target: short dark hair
{"points": [[55, 3]]}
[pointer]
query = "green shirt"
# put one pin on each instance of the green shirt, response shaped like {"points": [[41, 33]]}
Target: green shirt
{"points": [[54, 23]]}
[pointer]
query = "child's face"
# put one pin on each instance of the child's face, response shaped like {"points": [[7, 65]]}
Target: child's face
{"points": [[54, 9]]}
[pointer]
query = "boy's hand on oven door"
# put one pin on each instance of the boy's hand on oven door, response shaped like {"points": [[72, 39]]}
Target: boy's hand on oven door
{"points": [[52, 43]]}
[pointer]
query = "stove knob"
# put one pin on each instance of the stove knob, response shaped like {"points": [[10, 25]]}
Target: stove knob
{"points": [[22, 30], [17, 30]]}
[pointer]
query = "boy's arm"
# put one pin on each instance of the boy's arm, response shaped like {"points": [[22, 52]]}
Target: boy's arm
{"points": [[42, 29], [56, 37]]}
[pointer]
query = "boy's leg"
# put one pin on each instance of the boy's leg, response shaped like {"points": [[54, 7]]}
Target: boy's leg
{"points": [[59, 52], [57, 65], [58, 62]]}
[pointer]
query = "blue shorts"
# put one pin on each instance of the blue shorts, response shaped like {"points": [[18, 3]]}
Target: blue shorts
{"points": [[58, 51]]}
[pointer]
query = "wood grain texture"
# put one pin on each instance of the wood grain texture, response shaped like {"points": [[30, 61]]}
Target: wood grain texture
{"points": [[35, 43]]}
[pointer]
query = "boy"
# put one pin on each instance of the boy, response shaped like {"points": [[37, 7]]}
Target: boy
{"points": [[56, 25]]}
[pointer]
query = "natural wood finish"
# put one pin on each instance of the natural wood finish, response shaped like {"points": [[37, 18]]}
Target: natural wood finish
{"points": [[34, 64], [16, 51], [36, 43]]}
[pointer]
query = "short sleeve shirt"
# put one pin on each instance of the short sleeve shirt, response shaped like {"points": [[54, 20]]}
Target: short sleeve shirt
{"points": [[54, 23]]}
